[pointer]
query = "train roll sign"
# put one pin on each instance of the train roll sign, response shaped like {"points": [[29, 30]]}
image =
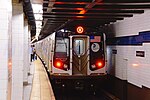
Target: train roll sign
{"points": [[80, 29], [140, 53]]}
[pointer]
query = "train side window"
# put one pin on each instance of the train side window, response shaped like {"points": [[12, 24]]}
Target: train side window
{"points": [[62, 47], [79, 46]]}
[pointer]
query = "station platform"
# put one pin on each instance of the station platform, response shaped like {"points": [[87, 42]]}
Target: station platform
{"points": [[39, 87]]}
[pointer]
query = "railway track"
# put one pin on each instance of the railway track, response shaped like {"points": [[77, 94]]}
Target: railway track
{"points": [[79, 95], [62, 92]]}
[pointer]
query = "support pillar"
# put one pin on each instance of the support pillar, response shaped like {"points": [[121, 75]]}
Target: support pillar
{"points": [[26, 52], [5, 33], [17, 51]]}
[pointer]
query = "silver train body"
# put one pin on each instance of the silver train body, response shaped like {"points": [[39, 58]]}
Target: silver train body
{"points": [[67, 55]]}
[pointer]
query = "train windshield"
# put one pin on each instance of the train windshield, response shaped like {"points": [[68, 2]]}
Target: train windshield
{"points": [[79, 46], [62, 47]]}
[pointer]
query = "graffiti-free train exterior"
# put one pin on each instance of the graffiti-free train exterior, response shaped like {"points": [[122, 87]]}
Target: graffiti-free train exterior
{"points": [[72, 54]]}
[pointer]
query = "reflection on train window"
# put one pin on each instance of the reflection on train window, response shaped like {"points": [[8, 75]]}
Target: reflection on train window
{"points": [[62, 46], [79, 46]]}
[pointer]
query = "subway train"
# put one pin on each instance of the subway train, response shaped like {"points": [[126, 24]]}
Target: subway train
{"points": [[70, 55]]}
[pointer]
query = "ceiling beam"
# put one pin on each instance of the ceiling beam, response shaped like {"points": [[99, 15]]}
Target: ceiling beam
{"points": [[98, 12], [103, 2], [87, 14], [83, 16], [59, 8], [102, 6], [127, 1], [115, 11], [86, 18]]}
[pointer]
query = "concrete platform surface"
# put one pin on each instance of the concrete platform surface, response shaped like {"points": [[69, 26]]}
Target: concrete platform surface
{"points": [[41, 87]]}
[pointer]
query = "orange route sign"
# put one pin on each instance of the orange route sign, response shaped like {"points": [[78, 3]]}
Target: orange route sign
{"points": [[80, 29]]}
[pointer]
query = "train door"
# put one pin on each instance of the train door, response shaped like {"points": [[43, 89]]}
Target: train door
{"points": [[80, 55]]}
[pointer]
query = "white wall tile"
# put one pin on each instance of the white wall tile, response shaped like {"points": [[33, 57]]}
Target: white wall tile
{"points": [[3, 44], [3, 84], [137, 75], [3, 94], [3, 53], [3, 64], [4, 74]]}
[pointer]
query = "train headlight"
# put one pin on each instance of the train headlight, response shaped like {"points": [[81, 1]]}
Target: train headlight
{"points": [[58, 64], [99, 64]]}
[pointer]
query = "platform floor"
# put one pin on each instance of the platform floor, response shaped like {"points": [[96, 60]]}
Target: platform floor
{"points": [[41, 87]]}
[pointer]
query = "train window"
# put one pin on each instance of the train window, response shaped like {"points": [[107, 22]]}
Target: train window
{"points": [[79, 46], [62, 47]]}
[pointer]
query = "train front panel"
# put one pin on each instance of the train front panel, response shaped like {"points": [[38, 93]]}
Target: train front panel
{"points": [[79, 55]]}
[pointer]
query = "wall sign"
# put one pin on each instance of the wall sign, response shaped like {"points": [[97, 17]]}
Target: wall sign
{"points": [[140, 53], [114, 51]]}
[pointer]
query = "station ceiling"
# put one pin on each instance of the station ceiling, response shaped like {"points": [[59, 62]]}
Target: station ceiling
{"points": [[67, 14], [28, 11]]}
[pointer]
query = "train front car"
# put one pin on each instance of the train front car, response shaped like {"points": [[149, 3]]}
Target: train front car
{"points": [[74, 58], [78, 55], [79, 60]]}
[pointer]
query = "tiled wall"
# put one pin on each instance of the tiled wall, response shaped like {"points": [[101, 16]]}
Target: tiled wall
{"points": [[17, 51], [14, 50], [4, 40], [125, 64]]}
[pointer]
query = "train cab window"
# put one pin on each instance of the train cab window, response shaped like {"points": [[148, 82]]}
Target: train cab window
{"points": [[62, 47], [79, 46]]}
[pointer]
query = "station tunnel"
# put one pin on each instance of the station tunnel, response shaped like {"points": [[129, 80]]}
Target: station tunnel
{"points": [[85, 50]]}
